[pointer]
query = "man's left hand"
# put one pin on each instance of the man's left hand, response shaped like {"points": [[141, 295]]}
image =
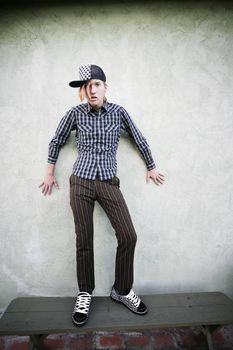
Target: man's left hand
{"points": [[156, 176]]}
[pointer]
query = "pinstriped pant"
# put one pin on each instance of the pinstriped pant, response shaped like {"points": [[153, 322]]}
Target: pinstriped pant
{"points": [[83, 194]]}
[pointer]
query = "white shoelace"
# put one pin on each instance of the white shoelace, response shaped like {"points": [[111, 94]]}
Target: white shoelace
{"points": [[134, 299], [82, 303]]}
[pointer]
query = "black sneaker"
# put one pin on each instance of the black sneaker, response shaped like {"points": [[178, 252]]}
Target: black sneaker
{"points": [[81, 308], [131, 301]]}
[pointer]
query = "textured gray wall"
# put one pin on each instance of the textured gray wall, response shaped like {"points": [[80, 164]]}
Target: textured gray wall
{"points": [[170, 66]]}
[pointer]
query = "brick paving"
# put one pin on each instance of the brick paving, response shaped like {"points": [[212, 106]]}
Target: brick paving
{"points": [[155, 339]]}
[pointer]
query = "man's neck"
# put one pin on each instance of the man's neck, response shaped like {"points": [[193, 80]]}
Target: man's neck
{"points": [[97, 108]]}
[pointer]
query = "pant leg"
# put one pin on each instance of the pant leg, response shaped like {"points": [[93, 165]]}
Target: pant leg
{"points": [[112, 201], [82, 201]]}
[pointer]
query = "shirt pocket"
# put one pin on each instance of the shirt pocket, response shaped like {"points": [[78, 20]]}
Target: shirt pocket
{"points": [[85, 128], [110, 127]]}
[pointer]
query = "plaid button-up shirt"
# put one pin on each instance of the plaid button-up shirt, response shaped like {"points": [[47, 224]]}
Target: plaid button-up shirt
{"points": [[97, 137]]}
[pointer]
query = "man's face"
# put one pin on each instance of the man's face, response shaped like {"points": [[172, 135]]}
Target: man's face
{"points": [[95, 91]]}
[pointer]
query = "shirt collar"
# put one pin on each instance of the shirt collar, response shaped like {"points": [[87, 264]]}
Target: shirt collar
{"points": [[104, 107]]}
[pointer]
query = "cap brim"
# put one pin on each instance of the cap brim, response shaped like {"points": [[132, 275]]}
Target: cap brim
{"points": [[77, 83]]}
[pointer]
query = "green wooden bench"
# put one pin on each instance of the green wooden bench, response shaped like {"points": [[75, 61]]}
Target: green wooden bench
{"points": [[38, 317]]}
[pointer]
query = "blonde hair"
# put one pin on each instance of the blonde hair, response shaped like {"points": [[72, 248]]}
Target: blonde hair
{"points": [[82, 92]]}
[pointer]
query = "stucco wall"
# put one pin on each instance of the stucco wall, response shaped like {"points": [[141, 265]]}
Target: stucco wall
{"points": [[170, 66]]}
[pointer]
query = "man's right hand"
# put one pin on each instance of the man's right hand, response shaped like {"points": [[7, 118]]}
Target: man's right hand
{"points": [[48, 183]]}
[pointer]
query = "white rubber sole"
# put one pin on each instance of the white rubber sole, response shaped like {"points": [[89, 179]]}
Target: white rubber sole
{"points": [[135, 312], [79, 323]]}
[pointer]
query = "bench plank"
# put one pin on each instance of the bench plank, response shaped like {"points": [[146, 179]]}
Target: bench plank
{"points": [[159, 300], [48, 315]]}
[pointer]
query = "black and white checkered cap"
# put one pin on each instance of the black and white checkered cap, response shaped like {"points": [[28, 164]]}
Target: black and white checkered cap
{"points": [[87, 72]]}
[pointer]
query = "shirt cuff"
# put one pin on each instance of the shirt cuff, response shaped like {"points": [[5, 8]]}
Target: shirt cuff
{"points": [[151, 166], [51, 160]]}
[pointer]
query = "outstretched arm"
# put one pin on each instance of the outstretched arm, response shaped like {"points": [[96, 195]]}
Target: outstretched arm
{"points": [[129, 126], [49, 180], [66, 125]]}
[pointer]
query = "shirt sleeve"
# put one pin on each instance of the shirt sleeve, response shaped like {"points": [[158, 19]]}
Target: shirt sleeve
{"points": [[129, 126], [66, 125]]}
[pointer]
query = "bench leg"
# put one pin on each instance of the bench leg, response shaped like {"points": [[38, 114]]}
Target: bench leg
{"points": [[36, 342], [208, 331]]}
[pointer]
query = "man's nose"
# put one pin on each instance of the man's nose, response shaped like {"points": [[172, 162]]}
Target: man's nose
{"points": [[93, 89]]}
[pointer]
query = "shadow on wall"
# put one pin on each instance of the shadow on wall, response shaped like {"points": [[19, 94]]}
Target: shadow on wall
{"points": [[226, 4]]}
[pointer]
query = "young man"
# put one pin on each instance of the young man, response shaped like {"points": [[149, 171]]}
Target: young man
{"points": [[98, 124]]}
